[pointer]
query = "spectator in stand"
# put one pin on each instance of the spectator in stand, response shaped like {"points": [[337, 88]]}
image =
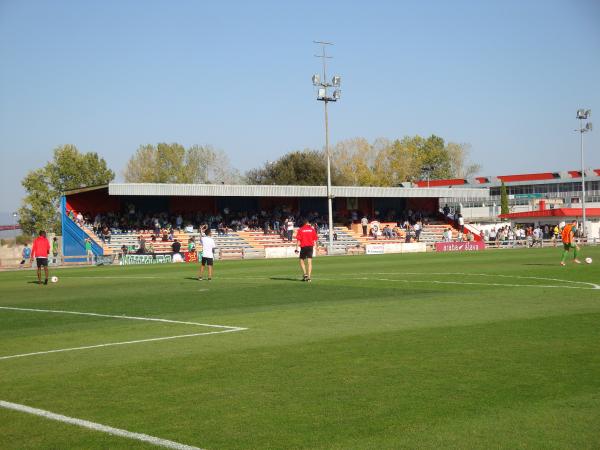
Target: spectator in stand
{"points": [[461, 223], [482, 236], [364, 222], [493, 235], [40, 251], [290, 228], [142, 245], [387, 232], [55, 250], [418, 227], [124, 250], [408, 234], [80, 219], [555, 235], [88, 251], [470, 237], [445, 235], [446, 210], [375, 229], [26, 253], [538, 236], [306, 239], [105, 235], [176, 246]]}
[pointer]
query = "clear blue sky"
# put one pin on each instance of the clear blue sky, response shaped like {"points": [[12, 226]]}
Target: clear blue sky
{"points": [[107, 76]]}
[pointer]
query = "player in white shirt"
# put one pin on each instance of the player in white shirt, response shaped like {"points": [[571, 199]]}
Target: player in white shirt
{"points": [[208, 247]]}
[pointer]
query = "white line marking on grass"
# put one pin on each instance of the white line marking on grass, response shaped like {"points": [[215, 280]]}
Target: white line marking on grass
{"points": [[97, 426], [473, 283], [224, 329], [109, 277], [112, 344], [594, 285], [149, 319]]}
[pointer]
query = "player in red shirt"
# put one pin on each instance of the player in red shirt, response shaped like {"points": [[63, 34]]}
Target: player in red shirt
{"points": [[40, 250], [306, 238]]}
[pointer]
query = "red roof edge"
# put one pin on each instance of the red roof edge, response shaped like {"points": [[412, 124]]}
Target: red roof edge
{"points": [[439, 183], [560, 212], [527, 177]]}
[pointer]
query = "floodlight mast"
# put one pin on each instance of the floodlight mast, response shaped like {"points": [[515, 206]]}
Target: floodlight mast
{"points": [[583, 114], [322, 96]]}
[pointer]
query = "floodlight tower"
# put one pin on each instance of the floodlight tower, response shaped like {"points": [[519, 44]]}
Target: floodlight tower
{"points": [[322, 85], [582, 115]]}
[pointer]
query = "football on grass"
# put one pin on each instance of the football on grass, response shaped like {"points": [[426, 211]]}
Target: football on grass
{"points": [[54, 279], [588, 260]]}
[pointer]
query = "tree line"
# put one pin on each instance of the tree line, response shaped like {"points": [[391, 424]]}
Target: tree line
{"points": [[354, 162]]}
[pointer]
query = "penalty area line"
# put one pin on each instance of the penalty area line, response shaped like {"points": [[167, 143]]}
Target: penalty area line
{"points": [[96, 426], [113, 344], [222, 329]]}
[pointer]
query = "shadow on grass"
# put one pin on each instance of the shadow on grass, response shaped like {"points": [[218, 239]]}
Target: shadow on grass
{"points": [[285, 279], [540, 264]]}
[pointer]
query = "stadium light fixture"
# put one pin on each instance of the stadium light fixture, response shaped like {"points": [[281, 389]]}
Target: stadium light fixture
{"points": [[322, 95], [583, 114]]}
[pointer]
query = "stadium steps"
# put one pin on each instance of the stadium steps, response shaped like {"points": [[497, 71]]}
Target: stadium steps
{"points": [[259, 240], [228, 242], [344, 241], [433, 233], [364, 240]]}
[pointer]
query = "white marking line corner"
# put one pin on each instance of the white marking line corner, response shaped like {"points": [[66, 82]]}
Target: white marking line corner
{"points": [[223, 329], [97, 426]]}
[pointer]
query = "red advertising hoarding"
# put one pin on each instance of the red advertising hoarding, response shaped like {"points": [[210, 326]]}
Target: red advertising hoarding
{"points": [[459, 246]]}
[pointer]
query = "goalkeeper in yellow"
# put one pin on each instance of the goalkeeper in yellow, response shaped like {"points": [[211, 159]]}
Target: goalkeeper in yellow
{"points": [[568, 240]]}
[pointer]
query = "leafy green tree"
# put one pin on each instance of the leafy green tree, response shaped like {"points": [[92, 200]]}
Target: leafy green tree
{"points": [[69, 169], [172, 163], [304, 168], [503, 200]]}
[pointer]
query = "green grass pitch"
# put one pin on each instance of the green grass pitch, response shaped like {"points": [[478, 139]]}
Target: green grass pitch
{"points": [[497, 349]]}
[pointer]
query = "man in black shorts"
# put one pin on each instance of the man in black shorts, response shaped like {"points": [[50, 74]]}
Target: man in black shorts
{"points": [[306, 239], [40, 251]]}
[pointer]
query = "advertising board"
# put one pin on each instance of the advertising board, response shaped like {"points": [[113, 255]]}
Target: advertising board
{"points": [[459, 246], [146, 259]]}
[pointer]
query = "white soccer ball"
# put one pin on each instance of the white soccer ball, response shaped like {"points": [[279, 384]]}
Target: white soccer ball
{"points": [[54, 279], [588, 260]]}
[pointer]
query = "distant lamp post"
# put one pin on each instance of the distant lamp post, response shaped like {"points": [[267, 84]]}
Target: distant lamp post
{"points": [[583, 115], [15, 215], [428, 170], [322, 95]]}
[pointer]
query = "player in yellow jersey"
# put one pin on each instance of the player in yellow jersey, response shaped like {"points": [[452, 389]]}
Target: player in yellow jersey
{"points": [[568, 240]]}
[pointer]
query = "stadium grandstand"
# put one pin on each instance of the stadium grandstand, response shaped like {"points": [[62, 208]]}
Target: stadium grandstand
{"points": [[527, 193], [248, 221]]}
